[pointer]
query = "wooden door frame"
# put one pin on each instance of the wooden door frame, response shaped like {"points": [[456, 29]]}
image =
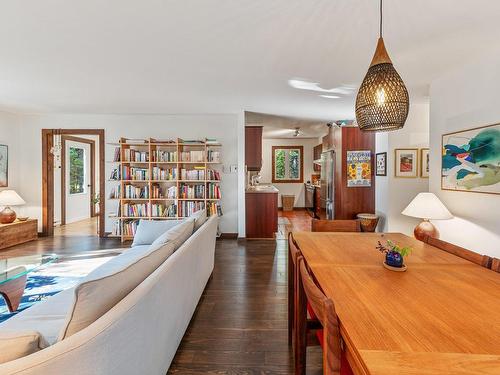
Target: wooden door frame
{"points": [[64, 139], [48, 176]]}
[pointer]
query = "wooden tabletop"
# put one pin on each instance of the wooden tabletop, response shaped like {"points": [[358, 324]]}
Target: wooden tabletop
{"points": [[443, 309]]}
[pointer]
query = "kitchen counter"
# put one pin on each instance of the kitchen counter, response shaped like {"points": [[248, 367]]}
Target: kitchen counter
{"points": [[262, 189]]}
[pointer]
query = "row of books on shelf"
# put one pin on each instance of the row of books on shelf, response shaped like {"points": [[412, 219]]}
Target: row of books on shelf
{"points": [[163, 174], [192, 191], [148, 210], [139, 156], [128, 227], [193, 156], [134, 173], [213, 191], [213, 156], [164, 156], [168, 141]]}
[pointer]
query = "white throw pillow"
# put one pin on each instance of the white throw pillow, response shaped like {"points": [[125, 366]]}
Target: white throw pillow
{"points": [[177, 235], [107, 285], [18, 344], [199, 218], [150, 230]]}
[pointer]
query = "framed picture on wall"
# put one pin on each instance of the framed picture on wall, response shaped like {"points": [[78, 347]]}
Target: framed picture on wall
{"points": [[424, 162], [4, 165], [381, 164], [359, 171], [406, 162], [471, 160]]}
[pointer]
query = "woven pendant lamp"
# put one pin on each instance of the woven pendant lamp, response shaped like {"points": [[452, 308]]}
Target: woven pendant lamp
{"points": [[382, 103]]}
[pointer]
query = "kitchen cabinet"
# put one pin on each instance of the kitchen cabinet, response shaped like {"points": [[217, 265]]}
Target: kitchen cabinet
{"points": [[253, 148], [261, 214], [317, 150]]}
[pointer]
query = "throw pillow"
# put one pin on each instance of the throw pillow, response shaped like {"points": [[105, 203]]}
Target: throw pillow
{"points": [[150, 230]]}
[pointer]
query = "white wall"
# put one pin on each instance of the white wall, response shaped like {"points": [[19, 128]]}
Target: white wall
{"points": [[393, 194], [224, 127], [462, 99], [297, 189]]}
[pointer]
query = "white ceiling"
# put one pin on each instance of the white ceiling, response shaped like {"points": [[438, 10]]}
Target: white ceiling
{"points": [[284, 127], [220, 56]]}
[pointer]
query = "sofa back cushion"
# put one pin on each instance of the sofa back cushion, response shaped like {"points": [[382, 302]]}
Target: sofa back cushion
{"points": [[17, 344], [104, 287], [150, 230], [199, 218]]}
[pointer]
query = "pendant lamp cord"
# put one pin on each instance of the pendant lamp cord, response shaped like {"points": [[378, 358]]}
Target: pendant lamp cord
{"points": [[381, 18]]}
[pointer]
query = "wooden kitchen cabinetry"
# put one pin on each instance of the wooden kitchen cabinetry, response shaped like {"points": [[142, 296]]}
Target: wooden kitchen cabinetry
{"points": [[261, 214], [253, 148], [317, 150]]}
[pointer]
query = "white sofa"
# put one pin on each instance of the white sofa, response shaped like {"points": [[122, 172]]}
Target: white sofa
{"points": [[141, 333]]}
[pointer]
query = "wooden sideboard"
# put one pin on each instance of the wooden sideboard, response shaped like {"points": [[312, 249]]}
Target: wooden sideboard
{"points": [[18, 232]]}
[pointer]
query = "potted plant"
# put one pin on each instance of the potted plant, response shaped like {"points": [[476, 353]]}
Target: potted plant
{"points": [[394, 255]]}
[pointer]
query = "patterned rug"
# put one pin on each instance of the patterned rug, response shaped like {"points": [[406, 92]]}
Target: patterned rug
{"points": [[56, 277]]}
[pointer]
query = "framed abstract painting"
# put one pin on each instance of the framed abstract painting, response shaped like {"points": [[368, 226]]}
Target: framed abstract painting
{"points": [[381, 164], [471, 160], [424, 162], [406, 162], [4, 166]]}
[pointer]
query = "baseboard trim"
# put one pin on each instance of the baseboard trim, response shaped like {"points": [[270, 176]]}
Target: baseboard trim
{"points": [[228, 236], [294, 209]]}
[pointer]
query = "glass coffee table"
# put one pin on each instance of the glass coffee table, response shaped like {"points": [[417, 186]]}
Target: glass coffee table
{"points": [[14, 272]]}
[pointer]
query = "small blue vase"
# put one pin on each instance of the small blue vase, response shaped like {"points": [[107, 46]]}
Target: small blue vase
{"points": [[394, 259]]}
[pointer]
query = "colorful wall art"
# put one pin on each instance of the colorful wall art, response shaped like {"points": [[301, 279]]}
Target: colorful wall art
{"points": [[471, 160], [406, 162], [359, 170], [4, 166]]}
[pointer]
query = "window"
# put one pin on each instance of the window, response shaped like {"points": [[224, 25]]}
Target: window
{"points": [[288, 164], [76, 170]]}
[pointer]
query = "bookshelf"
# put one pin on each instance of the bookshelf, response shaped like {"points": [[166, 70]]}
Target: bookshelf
{"points": [[163, 180]]}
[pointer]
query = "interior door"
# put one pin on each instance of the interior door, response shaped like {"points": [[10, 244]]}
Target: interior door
{"points": [[77, 181]]}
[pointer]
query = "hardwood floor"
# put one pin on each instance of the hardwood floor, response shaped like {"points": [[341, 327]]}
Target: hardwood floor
{"points": [[300, 220], [87, 227], [240, 325]]}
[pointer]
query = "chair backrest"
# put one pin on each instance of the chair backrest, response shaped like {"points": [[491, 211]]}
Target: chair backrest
{"points": [[293, 249], [482, 260], [495, 264], [335, 226], [324, 309]]}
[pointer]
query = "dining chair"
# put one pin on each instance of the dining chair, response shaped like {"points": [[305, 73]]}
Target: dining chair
{"points": [[312, 322], [334, 361], [335, 226], [471, 256], [495, 264]]}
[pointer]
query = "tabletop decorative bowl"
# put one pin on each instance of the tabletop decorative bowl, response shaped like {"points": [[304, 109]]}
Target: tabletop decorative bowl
{"points": [[394, 255]]}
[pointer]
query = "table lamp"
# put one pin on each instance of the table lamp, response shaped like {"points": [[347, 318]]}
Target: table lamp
{"points": [[9, 198], [427, 206]]}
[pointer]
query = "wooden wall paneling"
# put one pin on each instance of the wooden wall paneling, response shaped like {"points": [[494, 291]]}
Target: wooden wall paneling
{"points": [[349, 201]]}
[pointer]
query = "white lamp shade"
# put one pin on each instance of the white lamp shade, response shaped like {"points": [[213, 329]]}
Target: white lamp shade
{"points": [[427, 206], [10, 198]]}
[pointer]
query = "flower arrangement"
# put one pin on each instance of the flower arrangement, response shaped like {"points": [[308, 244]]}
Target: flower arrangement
{"points": [[394, 254]]}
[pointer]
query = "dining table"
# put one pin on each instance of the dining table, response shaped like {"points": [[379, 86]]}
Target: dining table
{"points": [[440, 316]]}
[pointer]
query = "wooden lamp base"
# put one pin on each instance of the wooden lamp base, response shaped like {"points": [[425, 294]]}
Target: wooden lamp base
{"points": [[7, 216], [424, 229]]}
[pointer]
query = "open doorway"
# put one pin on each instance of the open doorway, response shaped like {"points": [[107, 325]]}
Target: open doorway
{"points": [[73, 182]]}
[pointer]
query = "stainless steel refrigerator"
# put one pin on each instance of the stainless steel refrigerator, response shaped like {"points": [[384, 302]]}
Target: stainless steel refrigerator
{"points": [[327, 185]]}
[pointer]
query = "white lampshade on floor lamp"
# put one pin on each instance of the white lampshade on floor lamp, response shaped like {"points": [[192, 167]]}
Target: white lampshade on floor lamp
{"points": [[427, 206], [9, 198]]}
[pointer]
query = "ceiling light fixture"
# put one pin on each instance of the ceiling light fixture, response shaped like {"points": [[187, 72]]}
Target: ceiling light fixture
{"points": [[297, 132], [382, 103]]}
